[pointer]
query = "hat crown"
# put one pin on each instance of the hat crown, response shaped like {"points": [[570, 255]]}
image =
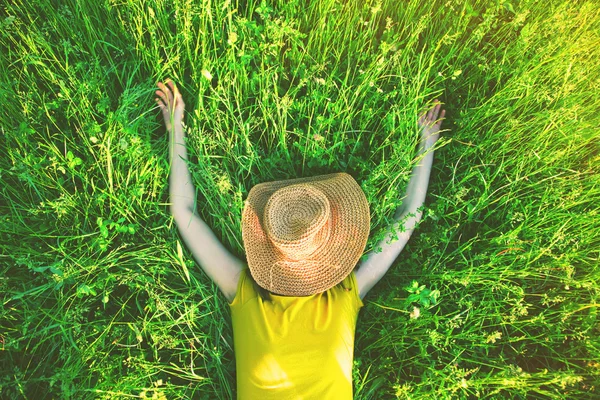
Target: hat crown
{"points": [[297, 220]]}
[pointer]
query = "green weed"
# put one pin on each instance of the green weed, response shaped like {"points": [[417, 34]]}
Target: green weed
{"points": [[99, 299]]}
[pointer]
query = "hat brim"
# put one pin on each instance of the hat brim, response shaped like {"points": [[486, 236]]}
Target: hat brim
{"points": [[326, 266]]}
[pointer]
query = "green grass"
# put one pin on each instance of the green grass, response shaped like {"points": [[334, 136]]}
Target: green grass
{"points": [[99, 300]]}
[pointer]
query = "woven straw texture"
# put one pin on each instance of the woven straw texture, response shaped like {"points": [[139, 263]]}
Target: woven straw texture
{"points": [[303, 236]]}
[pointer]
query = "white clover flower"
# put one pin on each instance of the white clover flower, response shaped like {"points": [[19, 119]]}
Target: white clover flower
{"points": [[416, 312], [206, 74]]}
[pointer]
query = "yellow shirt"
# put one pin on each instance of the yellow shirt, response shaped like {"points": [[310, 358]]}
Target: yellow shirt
{"points": [[297, 347]]}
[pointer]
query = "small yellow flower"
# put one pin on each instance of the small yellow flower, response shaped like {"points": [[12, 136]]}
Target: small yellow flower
{"points": [[233, 37], [493, 337], [388, 23], [224, 184]]}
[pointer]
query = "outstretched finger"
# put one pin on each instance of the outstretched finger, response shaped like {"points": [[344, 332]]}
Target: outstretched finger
{"points": [[170, 84], [422, 118], [176, 93], [442, 115], [425, 115], [433, 112], [161, 86], [167, 92], [173, 88], [160, 104], [162, 95]]}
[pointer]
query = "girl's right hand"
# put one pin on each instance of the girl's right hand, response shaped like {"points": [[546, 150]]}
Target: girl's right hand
{"points": [[171, 103]]}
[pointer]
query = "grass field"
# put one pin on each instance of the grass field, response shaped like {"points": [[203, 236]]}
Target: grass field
{"points": [[100, 299]]}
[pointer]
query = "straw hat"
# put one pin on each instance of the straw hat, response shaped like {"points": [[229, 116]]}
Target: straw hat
{"points": [[303, 236]]}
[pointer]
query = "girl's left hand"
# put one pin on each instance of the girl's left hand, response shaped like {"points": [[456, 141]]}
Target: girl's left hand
{"points": [[430, 122]]}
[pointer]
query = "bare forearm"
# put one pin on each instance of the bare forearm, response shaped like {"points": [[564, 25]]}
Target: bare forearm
{"points": [[181, 187], [409, 213], [375, 266], [417, 185]]}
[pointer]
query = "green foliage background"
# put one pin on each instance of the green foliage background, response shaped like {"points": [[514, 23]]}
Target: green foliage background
{"points": [[99, 300]]}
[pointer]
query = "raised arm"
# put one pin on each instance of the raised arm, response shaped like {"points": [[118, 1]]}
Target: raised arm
{"points": [[218, 263], [374, 267]]}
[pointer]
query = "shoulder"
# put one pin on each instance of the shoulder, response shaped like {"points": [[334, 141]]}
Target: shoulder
{"points": [[239, 280], [350, 284]]}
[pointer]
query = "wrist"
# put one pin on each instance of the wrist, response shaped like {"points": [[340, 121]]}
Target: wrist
{"points": [[176, 131], [427, 143], [429, 138]]}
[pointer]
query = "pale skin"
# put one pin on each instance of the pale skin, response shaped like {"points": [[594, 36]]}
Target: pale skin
{"points": [[224, 268]]}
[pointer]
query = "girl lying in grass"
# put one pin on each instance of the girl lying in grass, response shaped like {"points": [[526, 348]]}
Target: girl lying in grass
{"points": [[295, 303]]}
